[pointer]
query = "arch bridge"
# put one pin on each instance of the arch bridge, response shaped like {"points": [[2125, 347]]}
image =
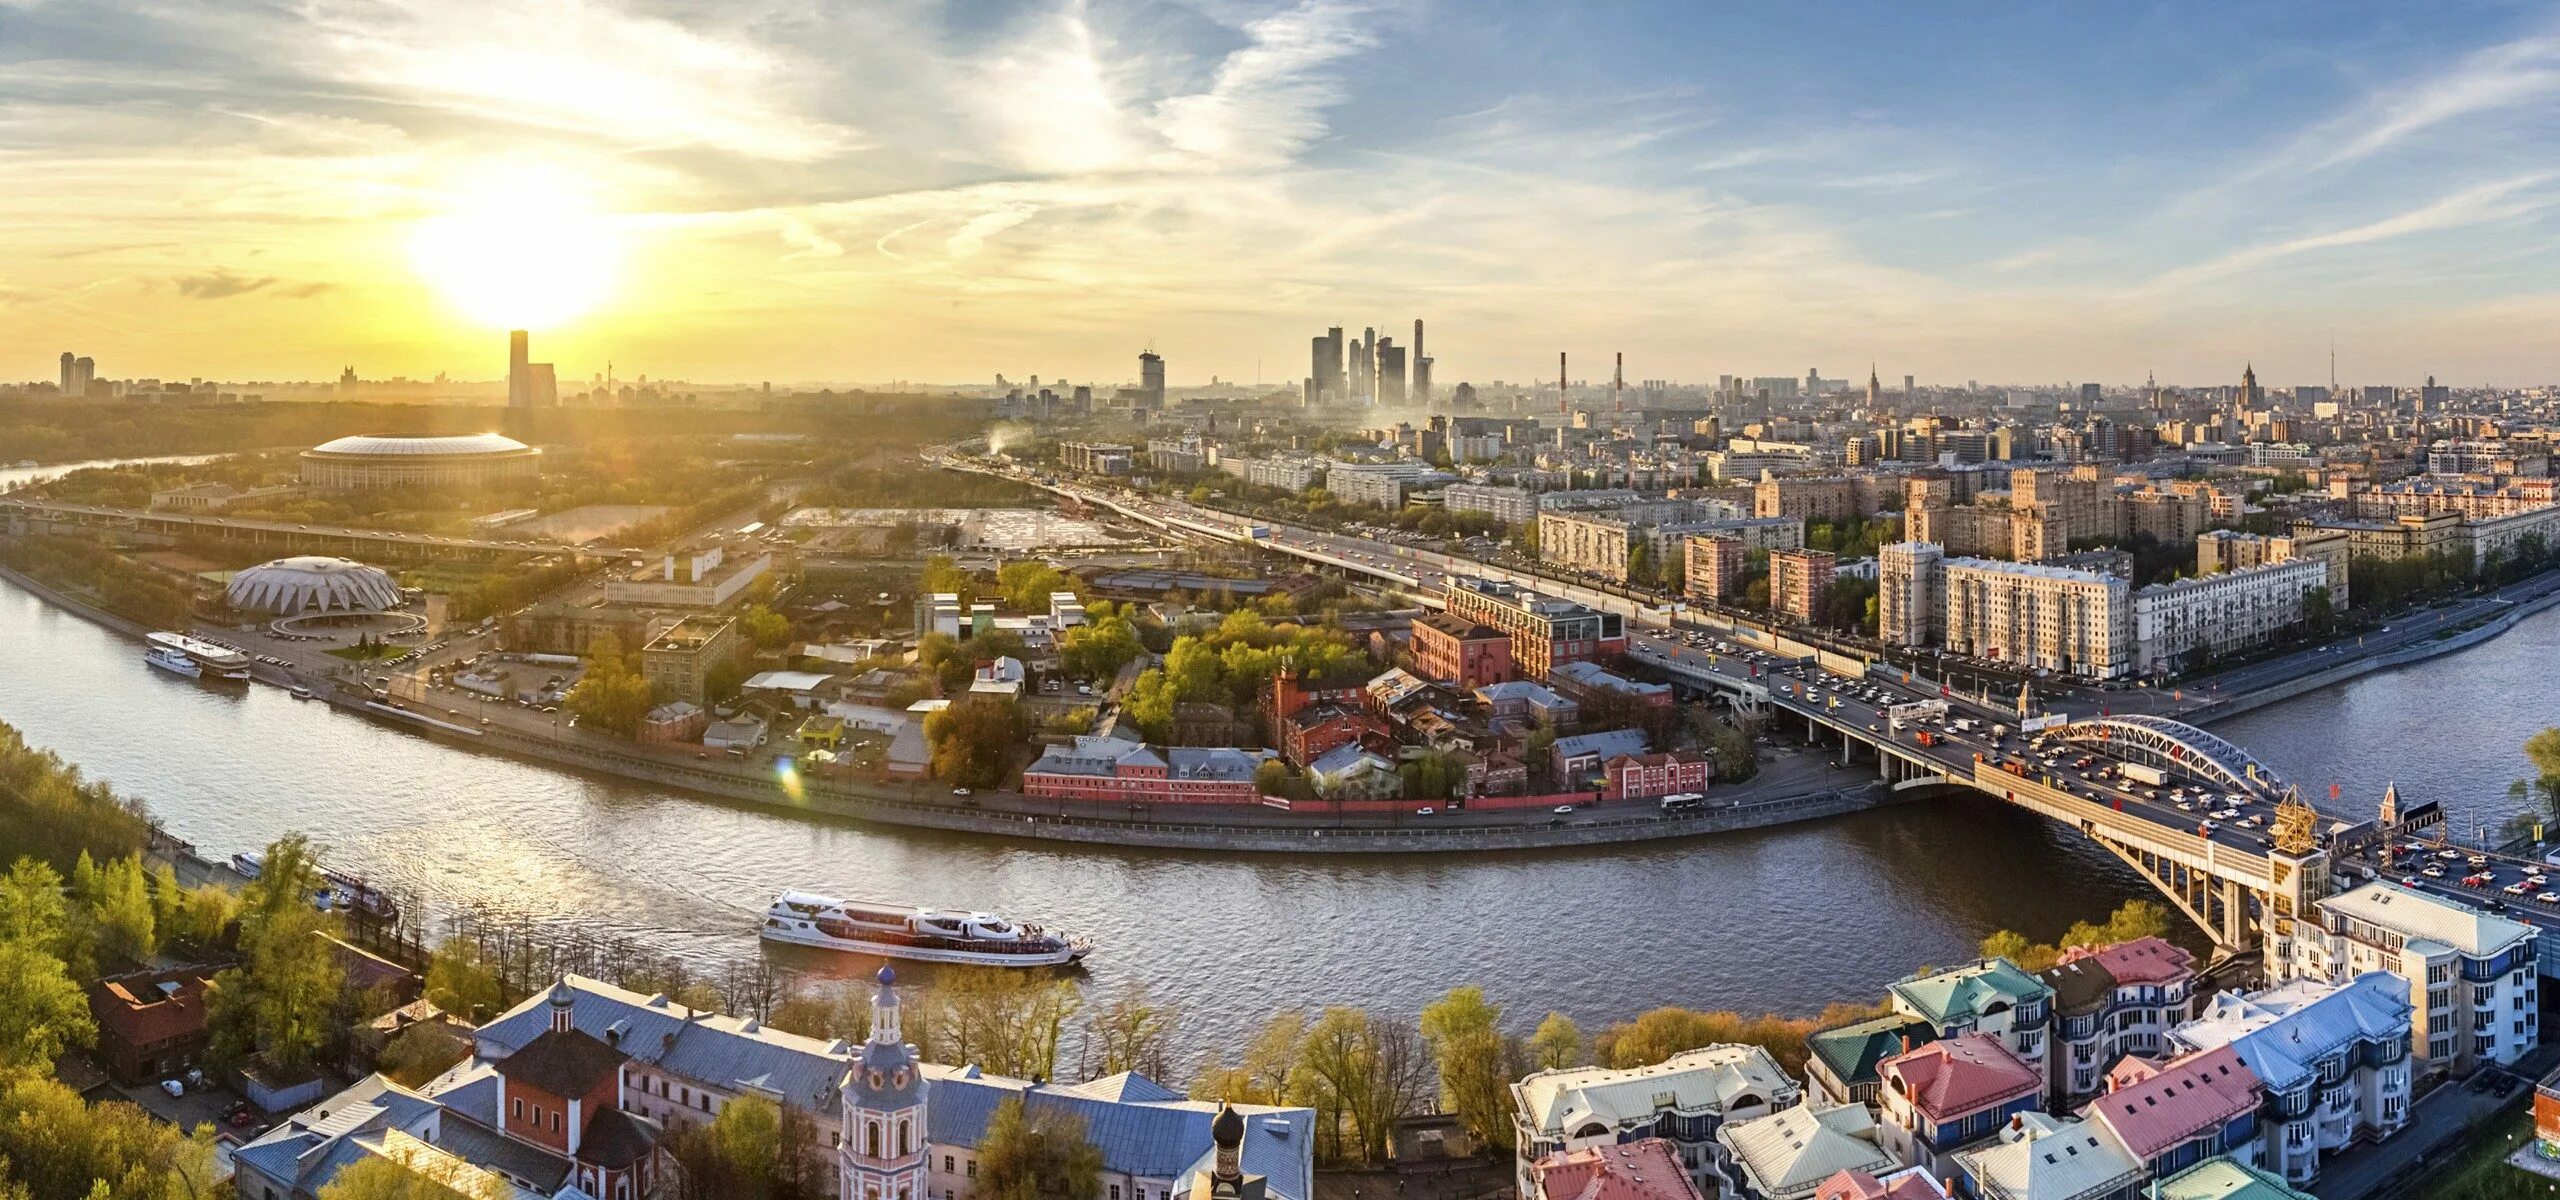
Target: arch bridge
{"points": [[2177, 746]]}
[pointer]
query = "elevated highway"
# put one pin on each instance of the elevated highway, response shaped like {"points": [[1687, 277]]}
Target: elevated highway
{"points": [[282, 534]]}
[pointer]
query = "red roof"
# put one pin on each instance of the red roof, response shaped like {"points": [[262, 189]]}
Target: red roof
{"points": [[1912, 1184], [2142, 960], [1643, 1170], [1959, 1076], [2188, 1097], [138, 1010]]}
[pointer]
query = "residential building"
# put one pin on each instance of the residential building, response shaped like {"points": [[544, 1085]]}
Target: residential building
{"points": [[1840, 1064], [1909, 1183], [1911, 593], [1351, 771], [1459, 652], [2223, 1178], [2171, 1116], [1649, 776], [1509, 505], [1788, 1154], [1317, 729], [1941, 1097], [1800, 584], [704, 577], [2472, 976], [2073, 623], [1582, 757], [2042, 1157], [1096, 458], [1380, 484], [1714, 565], [2185, 623], [680, 662], [2111, 1001], [1686, 1100], [1521, 698], [1110, 769], [1587, 682], [1181, 455], [1545, 631], [2333, 1060], [1987, 996], [150, 1024], [1646, 1169]]}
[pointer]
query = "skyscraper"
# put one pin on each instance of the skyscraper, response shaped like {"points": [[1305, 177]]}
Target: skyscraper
{"points": [[519, 372], [1390, 372], [84, 371], [1151, 377], [1421, 367], [70, 370], [1364, 367]]}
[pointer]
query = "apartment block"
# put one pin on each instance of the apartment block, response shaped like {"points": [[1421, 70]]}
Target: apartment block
{"points": [[2182, 624], [1911, 593], [2471, 974], [1800, 583], [2074, 623]]}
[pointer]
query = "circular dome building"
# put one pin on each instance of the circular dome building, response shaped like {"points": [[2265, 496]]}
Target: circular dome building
{"points": [[313, 584], [370, 463]]}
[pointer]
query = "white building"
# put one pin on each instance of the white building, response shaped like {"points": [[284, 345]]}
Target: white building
{"points": [[2333, 1058], [1911, 593], [1379, 484], [2074, 623], [1509, 505], [2180, 624], [1685, 1099], [2471, 975]]}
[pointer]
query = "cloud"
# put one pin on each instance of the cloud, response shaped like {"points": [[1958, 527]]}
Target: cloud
{"points": [[2503, 76], [808, 243], [973, 234], [1264, 105], [2486, 203], [220, 285]]}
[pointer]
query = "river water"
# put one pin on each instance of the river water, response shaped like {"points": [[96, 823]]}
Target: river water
{"points": [[1785, 919]]}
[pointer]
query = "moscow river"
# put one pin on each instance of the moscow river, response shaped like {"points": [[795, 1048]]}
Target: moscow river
{"points": [[1785, 919]]}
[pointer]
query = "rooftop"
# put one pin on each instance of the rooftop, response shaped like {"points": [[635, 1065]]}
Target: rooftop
{"points": [[1969, 991], [2223, 1179], [2188, 1097], [1641, 1170], [1960, 1076], [1713, 1079], [2042, 1157], [2283, 1031], [2416, 915]]}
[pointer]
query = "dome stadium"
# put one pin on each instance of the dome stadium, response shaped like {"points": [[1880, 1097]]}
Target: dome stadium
{"points": [[313, 584], [369, 463]]}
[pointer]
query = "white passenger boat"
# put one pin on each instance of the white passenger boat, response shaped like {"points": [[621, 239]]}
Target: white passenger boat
{"points": [[217, 662], [172, 660], [926, 935]]}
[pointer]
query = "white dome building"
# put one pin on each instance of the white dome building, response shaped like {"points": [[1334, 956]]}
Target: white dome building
{"points": [[313, 584], [367, 463]]}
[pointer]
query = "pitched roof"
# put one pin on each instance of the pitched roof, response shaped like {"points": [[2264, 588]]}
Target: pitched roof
{"points": [[719, 1050], [1607, 744], [2043, 1157], [1910, 1183], [1969, 991], [1787, 1155], [1648, 1169], [2281, 1032], [1960, 1076], [1852, 1051], [2080, 985], [2223, 1179], [2418, 915], [566, 1064], [2188, 1097], [1710, 1079], [2142, 960], [153, 1006], [1162, 1138]]}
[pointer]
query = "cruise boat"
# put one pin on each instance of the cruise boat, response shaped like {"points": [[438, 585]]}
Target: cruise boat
{"points": [[901, 931], [172, 660], [217, 662]]}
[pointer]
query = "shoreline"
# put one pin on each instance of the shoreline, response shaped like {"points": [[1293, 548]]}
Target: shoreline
{"points": [[843, 802]]}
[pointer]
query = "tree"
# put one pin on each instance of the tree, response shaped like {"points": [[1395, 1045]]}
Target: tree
{"points": [[42, 1013], [2132, 920], [939, 655], [974, 739], [1261, 1075], [1361, 1074], [419, 1177], [1028, 583], [58, 1146], [2543, 751], [1272, 778], [1098, 649], [1465, 1034], [1010, 1023], [460, 983], [1037, 1156], [1130, 1033], [1557, 1044], [281, 1002], [610, 696], [421, 1052], [768, 629], [32, 910], [943, 574], [122, 912]]}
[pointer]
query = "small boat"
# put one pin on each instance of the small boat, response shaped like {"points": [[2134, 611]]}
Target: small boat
{"points": [[351, 892], [300, 692], [250, 866], [925, 935], [216, 662], [172, 660]]}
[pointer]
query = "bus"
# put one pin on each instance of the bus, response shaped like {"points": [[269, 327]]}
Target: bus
{"points": [[1683, 802]]}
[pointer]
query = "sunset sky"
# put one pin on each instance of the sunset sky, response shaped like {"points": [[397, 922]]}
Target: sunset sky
{"points": [[797, 190]]}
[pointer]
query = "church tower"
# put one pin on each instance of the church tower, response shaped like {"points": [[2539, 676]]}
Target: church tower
{"points": [[883, 1153]]}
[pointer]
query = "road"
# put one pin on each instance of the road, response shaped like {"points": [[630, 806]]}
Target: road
{"points": [[288, 529]]}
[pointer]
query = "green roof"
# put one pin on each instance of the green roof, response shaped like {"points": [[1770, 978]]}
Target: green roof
{"points": [[1963, 993], [2224, 1179], [1851, 1052]]}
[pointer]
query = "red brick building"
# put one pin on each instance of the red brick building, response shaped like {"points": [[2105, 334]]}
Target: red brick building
{"points": [[563, 1091], [1714, 565], [1648, 1169], [1102, 769], [151, 1025], [1645, 776], [1308, 733], [1545, 630], [1460, 652], [1800, 583]]}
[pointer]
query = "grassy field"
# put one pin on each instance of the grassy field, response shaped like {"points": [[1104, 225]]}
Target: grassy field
{"points": [[2480, 1170]]}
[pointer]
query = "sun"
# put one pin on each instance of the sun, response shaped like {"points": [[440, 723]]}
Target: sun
{"points": [[521, 249]]}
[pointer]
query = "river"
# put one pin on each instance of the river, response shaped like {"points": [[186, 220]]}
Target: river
{"points": [[1785, 919]]}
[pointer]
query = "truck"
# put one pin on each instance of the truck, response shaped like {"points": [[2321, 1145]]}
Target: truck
{"points": [[1924, 737], [2146, 774]]}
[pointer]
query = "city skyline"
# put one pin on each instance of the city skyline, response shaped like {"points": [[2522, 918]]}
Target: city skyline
{"points": [[930, 195]]}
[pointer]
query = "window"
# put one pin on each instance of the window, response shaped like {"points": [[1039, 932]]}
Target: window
{"points": [[946, 1164], [906, 1138], [537, 1116], [1115, 1192], [871, 1139], [555, 1120], [973, 1168], [515, 1111]]}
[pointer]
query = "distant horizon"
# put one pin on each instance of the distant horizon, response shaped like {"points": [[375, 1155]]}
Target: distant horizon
{"points": [[1047, 186]]}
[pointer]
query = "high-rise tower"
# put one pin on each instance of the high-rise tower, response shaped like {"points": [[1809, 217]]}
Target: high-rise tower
{"points": [[1421, 367], [70, 368], [881, 1151], [1151, 377], [519, 371]]}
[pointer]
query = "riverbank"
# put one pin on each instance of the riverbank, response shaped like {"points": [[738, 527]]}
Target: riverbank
{"points": [[1241, 830], [2226, 708]]}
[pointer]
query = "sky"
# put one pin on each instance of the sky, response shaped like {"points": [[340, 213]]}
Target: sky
{"points": [[877, 190]]}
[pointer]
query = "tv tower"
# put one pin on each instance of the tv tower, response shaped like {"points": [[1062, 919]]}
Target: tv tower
{"points": [[1564, 407], [1618, 383]]}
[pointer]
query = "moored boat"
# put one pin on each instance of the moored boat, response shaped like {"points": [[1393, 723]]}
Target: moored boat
{"points": [[172, 660], [925, 935], [216, 662]]}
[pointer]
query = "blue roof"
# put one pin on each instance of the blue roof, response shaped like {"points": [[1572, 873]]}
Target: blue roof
{"points": [[1607, 744], [719, 1050], [1162, 1136]]}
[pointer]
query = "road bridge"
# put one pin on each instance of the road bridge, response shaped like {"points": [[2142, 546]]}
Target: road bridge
{"points": [[173, 526]]}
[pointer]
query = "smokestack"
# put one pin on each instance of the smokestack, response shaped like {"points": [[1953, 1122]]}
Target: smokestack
{"points": [[1417, 338], [1618, 384]]}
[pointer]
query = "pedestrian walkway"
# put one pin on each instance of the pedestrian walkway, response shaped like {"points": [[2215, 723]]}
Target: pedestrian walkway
{"points": [[2437, 1126]]}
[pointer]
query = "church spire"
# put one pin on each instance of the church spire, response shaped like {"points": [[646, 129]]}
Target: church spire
{"points": [[884, 1009]]}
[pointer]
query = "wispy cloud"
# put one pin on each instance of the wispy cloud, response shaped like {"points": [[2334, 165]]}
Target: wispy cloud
{"points": [[2504, 76], [2487, 203], [220, 285]]}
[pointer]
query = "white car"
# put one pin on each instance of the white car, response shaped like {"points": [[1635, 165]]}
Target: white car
{"points": [[1562, 809]]}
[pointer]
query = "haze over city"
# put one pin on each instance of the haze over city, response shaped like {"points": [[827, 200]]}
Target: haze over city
{"points": [[935, 193]]}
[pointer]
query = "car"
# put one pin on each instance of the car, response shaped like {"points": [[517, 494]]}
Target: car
{"points": [[1426, 811], [2448, 854], [2433, 872], [1562, 809], [961, 792], [2516, 889]]}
